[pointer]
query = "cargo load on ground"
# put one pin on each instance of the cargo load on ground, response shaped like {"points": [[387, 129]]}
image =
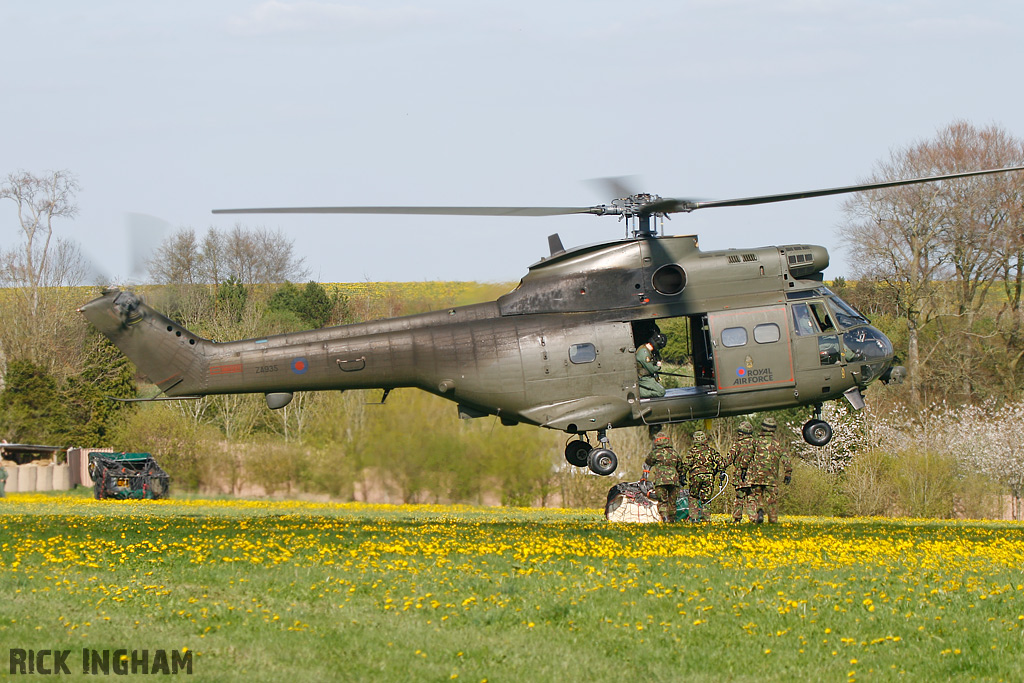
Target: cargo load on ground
{"points": [[127, 475]]}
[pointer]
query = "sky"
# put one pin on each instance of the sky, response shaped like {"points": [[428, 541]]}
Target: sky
{"points": [[173, 109]]}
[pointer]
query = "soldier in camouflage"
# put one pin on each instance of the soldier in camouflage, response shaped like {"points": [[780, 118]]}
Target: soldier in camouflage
{"points": [[666, 474], [742, 449], [763, 473], [703, 464]]}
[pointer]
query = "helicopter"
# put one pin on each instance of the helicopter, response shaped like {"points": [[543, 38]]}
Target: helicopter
{"points": [[560, 350]]}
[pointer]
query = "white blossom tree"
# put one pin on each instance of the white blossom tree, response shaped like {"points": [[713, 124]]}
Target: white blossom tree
{"points": [[848, 437]]}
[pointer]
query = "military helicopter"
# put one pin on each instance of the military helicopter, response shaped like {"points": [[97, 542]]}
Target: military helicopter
{"points": [[559, 350]]}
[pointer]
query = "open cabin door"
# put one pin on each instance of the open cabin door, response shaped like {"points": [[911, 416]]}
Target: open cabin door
{"points": [[751, 348]]}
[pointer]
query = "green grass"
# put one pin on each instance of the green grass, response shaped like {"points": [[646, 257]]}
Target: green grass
{"points": [[300, 591]]}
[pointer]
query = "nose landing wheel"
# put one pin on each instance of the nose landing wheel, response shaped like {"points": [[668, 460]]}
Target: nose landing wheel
{"points": [[817, 432]]}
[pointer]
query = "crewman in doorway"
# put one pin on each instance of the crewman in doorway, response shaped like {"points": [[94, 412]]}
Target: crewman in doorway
{"points": [[648, 366]]}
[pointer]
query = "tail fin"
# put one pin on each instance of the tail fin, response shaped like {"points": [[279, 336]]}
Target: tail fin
{"points": [[169, 355]]}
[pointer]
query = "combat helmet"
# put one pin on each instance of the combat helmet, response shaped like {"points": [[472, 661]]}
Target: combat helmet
{"points": [[700, 437], [661, 439], [659, 341], [768, 424], [745, 428]]}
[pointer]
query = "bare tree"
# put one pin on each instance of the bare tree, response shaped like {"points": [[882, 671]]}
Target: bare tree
{"points": [[178, 260], [40, 199], [51, 335], [913, 238], [260, 256], [978, 213], [251, 256], [39, 320], [213, 257], [896, 237]]}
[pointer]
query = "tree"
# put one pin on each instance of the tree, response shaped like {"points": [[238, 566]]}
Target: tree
{"points": [[317, 306], [250, 256], [178, 260], [39, 319], [990, 440], [106, 374], [913, 237], [311, 304], [231, 299], [259, 256], [31, 405], [40, 199]]}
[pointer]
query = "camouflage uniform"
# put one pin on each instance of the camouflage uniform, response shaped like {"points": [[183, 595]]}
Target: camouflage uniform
{"points": [[742, 450], [702, 465], [763, 473], [3, 480], [666, 472], [648, 367]]}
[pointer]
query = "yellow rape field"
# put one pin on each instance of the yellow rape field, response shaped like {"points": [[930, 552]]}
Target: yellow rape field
{"points": [[259, 590]]}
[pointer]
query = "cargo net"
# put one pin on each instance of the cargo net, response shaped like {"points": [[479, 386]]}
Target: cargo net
{"points": [[632, 502], [123, 479]]}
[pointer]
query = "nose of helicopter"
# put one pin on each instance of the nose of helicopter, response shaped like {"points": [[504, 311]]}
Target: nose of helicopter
{"points": [[869, 355]]}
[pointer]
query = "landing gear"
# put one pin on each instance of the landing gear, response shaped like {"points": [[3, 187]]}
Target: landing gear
{"points": [[817, 432], [600, 460], [576, 452]]}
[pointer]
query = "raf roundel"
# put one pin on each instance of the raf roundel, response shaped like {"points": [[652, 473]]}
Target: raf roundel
{"points": [[741, 371], [299, 366]]}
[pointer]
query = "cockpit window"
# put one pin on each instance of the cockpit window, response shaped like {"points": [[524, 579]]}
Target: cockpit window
{"points": [[821, 315], [802, 320], [846, 315]]}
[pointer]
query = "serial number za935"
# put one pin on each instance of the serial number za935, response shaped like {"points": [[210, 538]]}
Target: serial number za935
{"points": [[266, 368]]}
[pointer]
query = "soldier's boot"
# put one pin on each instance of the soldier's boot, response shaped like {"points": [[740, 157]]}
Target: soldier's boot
{"points": [[760, 516]]}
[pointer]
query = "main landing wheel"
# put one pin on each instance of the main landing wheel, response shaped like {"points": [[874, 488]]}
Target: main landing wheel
{"points": [[817, 432], [602, 461], [576, 452]]}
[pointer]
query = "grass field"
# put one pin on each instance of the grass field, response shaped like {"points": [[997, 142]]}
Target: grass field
{"points": [[301, 591]]}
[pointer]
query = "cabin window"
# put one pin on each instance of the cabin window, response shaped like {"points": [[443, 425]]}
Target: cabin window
{"points": [[802, 320], [767, 333], [828, 349], [582, 353], [734, 336]]}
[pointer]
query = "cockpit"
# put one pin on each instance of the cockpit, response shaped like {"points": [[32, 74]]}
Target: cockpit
{"points": [[844, 335]]}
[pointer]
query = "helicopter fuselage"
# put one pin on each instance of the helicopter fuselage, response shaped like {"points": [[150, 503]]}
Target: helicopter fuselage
{"points": [[558, 351]]}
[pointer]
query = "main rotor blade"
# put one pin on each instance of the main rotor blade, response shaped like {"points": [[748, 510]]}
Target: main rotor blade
{"points": [[687, 205], [430, 210], [616, 186]]}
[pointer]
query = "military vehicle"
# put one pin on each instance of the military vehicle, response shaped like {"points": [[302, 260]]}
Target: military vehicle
{"points": [[127, 475], [559, 350]]}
